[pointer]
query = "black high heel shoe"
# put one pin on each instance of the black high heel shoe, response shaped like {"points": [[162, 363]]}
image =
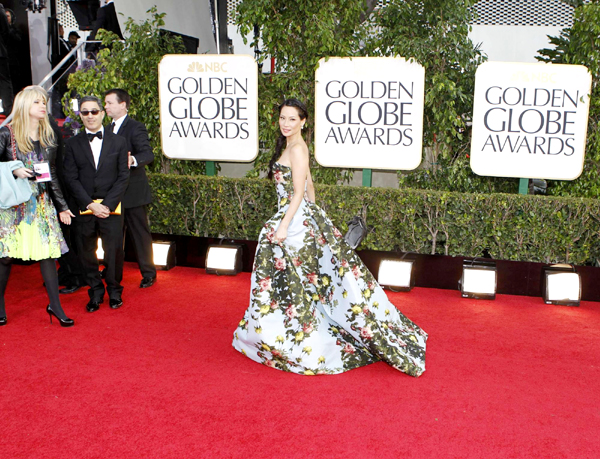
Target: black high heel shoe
{"points": [[2, 321], [63, 323]]}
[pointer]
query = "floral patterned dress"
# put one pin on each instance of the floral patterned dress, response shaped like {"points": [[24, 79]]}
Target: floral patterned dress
{"points": [[314, 306], [30, 231]]}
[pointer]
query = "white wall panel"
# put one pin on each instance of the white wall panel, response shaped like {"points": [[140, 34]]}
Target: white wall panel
{"points": [[189, 17]]}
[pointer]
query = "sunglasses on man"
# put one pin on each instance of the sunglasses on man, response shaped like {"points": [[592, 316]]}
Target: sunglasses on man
{"points": [[87, 112]]}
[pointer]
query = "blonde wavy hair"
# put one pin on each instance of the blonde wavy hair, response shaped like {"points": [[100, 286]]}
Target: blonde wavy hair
{"points": [[21, 121]]}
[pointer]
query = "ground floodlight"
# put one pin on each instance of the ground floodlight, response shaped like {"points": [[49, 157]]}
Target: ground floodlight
{"points": [[561, 284], [398, 275], [224, 259], [479, 279], [164, 254], [100, 251]]}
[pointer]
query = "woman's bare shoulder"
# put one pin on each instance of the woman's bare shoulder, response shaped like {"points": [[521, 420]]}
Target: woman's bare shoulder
{"points": [[299, 151]]}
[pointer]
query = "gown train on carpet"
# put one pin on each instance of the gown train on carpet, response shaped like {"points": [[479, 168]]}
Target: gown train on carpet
{"points": [[314, 306]]}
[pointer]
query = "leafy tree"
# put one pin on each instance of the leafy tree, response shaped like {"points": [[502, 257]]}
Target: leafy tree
{"points": [[574, 3], [133, 66], [580, 44], [297, 35], [435, 34]]}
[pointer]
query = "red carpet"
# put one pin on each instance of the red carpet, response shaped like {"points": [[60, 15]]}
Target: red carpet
{"points": [[158, 378]]}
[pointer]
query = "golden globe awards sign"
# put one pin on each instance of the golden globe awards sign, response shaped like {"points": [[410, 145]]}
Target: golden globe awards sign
{"points": [[209, 107], [369, 113], [530, 120]]}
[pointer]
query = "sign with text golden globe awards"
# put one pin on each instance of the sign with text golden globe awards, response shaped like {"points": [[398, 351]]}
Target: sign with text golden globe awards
{"points": [[530, 120], [369, 113], [209, 107]]}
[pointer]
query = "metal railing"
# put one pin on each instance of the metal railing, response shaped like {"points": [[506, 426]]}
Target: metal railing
{"points": [[79, 52]]}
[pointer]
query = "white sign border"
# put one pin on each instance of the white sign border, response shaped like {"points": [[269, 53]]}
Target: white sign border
{"points": [[221, 160], [418, 140], [582, 143]]}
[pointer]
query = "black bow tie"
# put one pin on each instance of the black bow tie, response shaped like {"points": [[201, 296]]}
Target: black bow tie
{"points": [[97, 134]]}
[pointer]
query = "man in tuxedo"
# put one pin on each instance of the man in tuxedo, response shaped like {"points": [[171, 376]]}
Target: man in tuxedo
{"points": [[97, 173], [70, 273], [138, 194]]}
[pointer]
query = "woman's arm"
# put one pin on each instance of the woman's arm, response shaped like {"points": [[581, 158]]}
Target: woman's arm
{"points": [[5, 148], [54, 186], [299, 161], [6, 154], [310, 188], [56, 193]]}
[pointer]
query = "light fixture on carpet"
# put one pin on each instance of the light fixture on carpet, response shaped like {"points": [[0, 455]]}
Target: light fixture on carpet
{"points": [[561, 284], [164, 254], [398, 275], [224, 259], [479, 279], [100, 251]]}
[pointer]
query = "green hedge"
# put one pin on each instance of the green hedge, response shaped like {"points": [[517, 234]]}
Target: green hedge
{"points": [[507, 226]]}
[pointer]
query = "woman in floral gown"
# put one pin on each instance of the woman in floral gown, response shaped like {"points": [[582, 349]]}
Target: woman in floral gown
{"points": [[314, 307]]}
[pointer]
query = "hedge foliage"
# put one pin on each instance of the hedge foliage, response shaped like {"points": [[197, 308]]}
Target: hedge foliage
{"points": [[507, 226]]}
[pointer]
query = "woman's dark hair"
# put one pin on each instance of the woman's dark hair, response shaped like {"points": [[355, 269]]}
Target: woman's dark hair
{"points": [[302, 113]]}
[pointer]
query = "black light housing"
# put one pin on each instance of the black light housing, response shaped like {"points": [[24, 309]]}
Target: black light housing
{"points": [[479, 279], [561, 284]]}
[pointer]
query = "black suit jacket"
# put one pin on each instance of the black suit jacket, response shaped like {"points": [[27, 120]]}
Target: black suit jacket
{"points": [[64, 48], [138, 192], [60, 163], [87, 183]]}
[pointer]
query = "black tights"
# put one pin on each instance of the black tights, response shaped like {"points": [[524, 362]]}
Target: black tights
{"points": [[48, 269], [5, 266]]}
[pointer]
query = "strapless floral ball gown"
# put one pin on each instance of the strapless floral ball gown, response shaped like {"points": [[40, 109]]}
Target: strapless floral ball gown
{"points": [[314, 306]]}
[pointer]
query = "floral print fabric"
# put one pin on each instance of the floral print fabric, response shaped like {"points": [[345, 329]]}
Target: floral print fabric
{"points": [[30, 231], [314, 306]]}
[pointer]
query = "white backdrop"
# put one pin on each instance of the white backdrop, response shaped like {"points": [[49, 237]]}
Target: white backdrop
{"points": [[189, 17]]}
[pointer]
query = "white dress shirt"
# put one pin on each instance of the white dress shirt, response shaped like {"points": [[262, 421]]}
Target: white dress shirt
{"points": [[117, 126], [96, 145]]}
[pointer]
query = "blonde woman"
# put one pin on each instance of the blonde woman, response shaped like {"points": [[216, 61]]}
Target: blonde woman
{"points": [[30, 231]]}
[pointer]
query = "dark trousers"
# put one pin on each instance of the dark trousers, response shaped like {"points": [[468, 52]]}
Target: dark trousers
{"points": [[136, 223], [110, 231], [70, 272]]}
